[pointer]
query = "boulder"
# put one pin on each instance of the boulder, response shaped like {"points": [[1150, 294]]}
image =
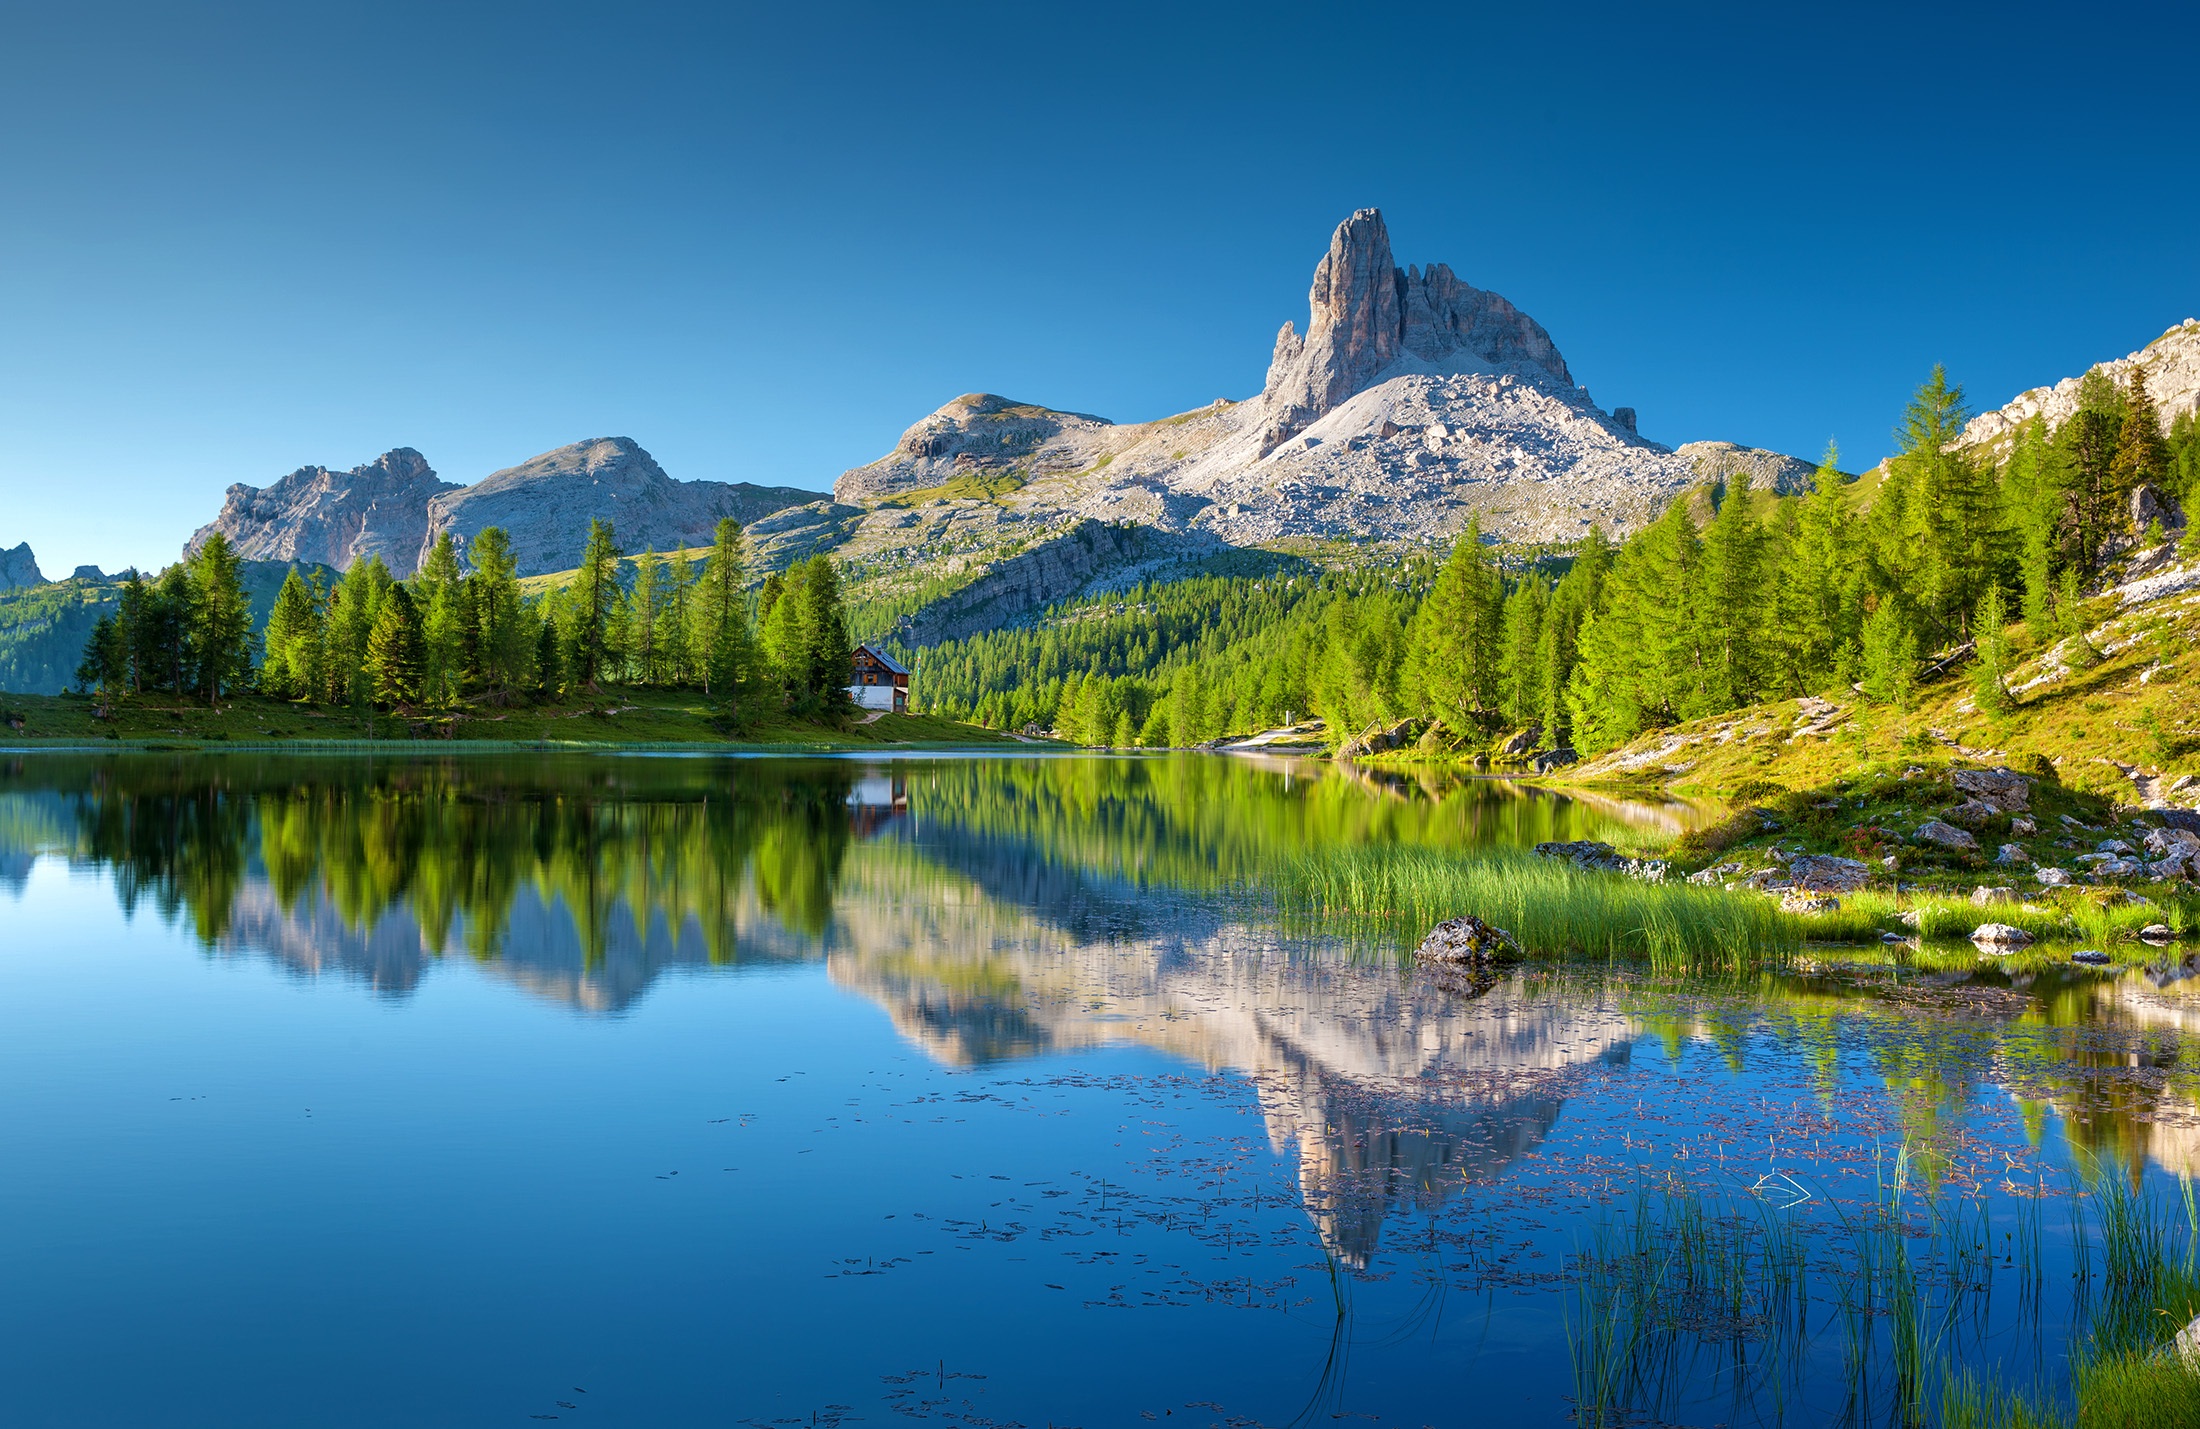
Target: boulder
{"points": [[2006, 791], [1602, 857], [1820, 873], [1381, 741], [2091, 957], [2157, 933], [1521, 742], [1985, 894], [2149, 504], [2053, 877], [1466, 939], [1551, 759], [1946, 836], [2012, 854], [1972, 814], [2112, 846], [2000, 935], [1798, 901], [2164, 842], [2023, 828]]}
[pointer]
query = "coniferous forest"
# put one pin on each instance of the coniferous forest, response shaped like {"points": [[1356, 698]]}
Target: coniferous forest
{"points": [[458, 633]]}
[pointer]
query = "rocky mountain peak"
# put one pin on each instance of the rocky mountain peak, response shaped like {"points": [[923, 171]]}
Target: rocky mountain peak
{"points": [[19, 568], [2171, 370], [1367, 316], [332, 518]]}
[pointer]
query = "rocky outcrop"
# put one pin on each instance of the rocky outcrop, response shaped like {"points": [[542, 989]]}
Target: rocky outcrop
{"points": [[1366, 315], [978, 434], [2172, 366], [1412, 403], [19, 568], [396, 506], [545, 505], [332, 518]]}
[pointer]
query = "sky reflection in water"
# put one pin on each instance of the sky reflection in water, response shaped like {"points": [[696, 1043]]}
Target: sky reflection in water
{"points": [[970, 1091]]}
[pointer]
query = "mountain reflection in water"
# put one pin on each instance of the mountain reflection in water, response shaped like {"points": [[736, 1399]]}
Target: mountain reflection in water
{"points": [[994, 909], [997, 910]]}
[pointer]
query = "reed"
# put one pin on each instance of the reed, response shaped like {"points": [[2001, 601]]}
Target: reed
{"points": [[1551, 907]]}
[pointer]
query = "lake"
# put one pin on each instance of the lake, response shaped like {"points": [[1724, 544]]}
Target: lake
{"points": [[984, 1091]]}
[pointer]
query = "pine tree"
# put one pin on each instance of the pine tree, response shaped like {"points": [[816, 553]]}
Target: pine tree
{"points": [[105, 667], [291, 641], [220, 619], [2142, 456], [395, 655], [1990, 675], [1526, 611], [674, 619], [2085, 473], [642, 616], [1457, 637], [1890, 656], [721, 640], [1815, 604], [594, 605], [2029, 495], [353, 609], [1728, 617], [505, 635], [443, 645], [1955, 527]]}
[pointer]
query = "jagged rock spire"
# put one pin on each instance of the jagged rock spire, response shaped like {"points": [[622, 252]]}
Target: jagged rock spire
{"points": [[1365, 314]]}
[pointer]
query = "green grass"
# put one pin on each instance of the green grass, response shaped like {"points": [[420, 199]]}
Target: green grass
{"points": [[621, 717], [1550, 906]]}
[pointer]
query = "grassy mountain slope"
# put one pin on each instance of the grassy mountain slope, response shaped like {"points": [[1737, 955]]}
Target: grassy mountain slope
{"points": [[2126, 726]]}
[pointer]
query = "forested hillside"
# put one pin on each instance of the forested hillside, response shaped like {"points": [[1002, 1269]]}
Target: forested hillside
{"points": [[1734, 596]]}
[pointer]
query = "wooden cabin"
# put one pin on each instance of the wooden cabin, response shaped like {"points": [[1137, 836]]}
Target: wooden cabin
{"points": [[880, 681]]}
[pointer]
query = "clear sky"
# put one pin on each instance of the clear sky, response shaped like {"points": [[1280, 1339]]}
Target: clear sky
{"points": [[761, 241]]}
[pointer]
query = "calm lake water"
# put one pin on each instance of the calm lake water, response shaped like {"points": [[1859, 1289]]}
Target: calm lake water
{"points": [[987, 1091]]}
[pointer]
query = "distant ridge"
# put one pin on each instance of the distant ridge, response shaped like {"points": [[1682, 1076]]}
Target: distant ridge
{"points": [[396, 506]]}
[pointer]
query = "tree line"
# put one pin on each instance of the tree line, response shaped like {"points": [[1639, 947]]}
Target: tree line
{"points": [[465, 630], [1731, 596]]}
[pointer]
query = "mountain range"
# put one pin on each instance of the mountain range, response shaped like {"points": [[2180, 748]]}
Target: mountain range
{"points": [[1411, 403]]}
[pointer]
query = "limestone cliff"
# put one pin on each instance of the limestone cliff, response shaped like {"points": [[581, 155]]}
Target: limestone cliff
{"points": [[19, 568], [2172, 366], [332, 518], [396, 506], [546, 503]]}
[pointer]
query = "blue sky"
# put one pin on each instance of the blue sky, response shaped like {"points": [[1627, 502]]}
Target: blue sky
{"points": [[762, 241]]}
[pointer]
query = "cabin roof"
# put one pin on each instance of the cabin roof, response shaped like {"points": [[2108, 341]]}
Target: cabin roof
{"points": [[884, 659]]}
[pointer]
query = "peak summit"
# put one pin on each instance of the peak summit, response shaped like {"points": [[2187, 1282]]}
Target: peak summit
{"points": [[1366, 316]]}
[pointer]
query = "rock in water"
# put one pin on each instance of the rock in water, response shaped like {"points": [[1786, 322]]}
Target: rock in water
{"points": [[1947, 836], [1466, 939], [2156, 933], [2091, 957], [2000, 935]]}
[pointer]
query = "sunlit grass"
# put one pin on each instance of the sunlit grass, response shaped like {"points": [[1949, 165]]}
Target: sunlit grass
{"points": [[1550, 906]]}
